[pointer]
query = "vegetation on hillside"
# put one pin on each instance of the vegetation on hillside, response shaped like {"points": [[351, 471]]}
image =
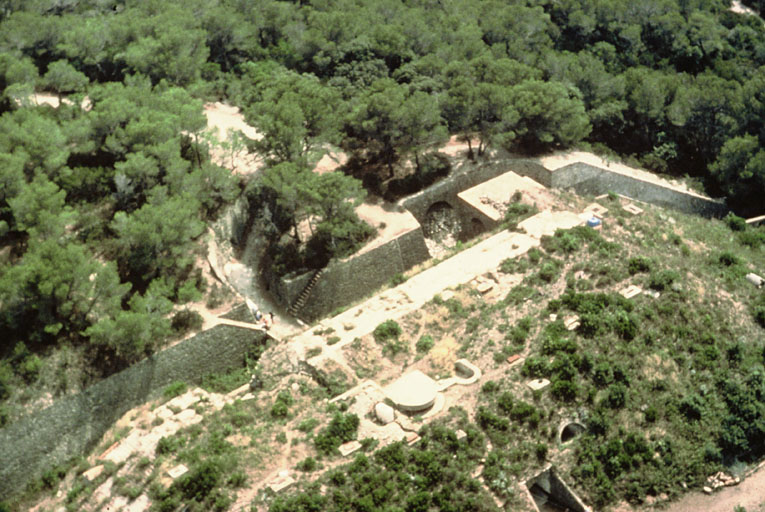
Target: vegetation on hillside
{"points": [[103, 200]]}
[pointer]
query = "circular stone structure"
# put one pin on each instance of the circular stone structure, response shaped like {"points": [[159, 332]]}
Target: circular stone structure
{"points": [[413, 392]]}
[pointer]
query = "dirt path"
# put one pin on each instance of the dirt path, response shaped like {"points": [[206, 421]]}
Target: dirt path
{"points": [[749, 494]]}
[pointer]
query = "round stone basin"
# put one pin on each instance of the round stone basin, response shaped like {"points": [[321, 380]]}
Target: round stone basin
{"points": [[412, 392]]}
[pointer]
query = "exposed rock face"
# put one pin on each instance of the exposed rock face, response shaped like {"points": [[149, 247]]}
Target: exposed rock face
{"points": [[384, 413]]}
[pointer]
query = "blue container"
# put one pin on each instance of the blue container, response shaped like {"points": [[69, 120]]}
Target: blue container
{"points": [[593, 222]]}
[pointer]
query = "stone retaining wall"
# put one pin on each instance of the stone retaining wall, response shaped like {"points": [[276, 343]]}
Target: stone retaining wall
{"points": [[349, 280], [75, 424], [588, 179]]}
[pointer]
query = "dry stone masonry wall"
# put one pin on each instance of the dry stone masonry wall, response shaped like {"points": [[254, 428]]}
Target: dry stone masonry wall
{"points": [[75, 424]]}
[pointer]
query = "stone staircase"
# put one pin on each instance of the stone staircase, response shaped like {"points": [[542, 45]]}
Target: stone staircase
{"points": [[300, 302]]}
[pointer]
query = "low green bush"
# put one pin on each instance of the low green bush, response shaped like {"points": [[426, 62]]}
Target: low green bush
{"points": [[663, 279], [340, 430], [177, 388], [734, 222], [282, 404], [386, 331], [425, 343], [639, 264], [186, 320], [308, 424]]}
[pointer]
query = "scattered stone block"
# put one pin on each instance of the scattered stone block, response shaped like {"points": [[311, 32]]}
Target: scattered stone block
{"points": [[188, 417], [553, 317], [538, 384], [348, 326], [283, 481], [182, 402], [447, 294], [177, 471], [597, 210], [631, 291], [93, 472], [571, 322], [484, 287], [755, 279], [384, 413], [461, 434], [633, 209], [513, 358], [349, 448], [707, 489], [652, 293]]}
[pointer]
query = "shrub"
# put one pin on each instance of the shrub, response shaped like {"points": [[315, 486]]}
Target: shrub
{"points": [[505, 402], [490, 421], [638, 264], [308, 424], [307, 465], [727, 259], [186, 320], [565, 390], [735, 223], [397, 279], [281, 406], [198, 483], [388, 330], [549, 271], [175, 389], [617, 396], [540, 450], [490, 387], [513, 266], [663, 279], [752, 238], [340, 430], [425, 343], [30, 367], [535, 366], [519, 294], [651, 414], [171, 444], [602, 375]]}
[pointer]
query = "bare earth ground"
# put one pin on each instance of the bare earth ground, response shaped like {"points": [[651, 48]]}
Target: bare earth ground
{"points": [[749, 494]]}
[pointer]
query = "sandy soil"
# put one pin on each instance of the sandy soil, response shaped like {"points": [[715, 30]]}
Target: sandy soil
{"points": [[739, 8], [749, 494], [42, 98], [223, 122]]}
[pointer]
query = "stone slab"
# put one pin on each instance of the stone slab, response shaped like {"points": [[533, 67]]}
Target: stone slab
{"points": [[538, 384], [349, 448], [633, 209], [183, 401], [513, 358], [93, 472], [281, 483], [177, 471], [631, 291], [571, 322]]}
